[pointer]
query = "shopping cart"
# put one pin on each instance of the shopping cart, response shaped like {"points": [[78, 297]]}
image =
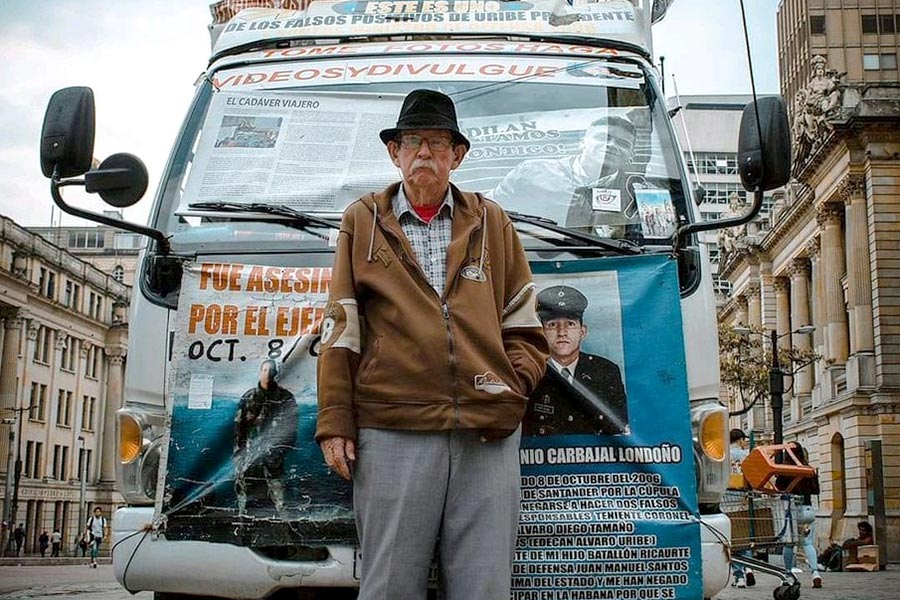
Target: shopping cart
{"points": [[763, 520]]}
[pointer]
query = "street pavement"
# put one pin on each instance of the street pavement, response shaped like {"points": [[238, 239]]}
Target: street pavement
{"points": [[880, 585], [83, 583]]}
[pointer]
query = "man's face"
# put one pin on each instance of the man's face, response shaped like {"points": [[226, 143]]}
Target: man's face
{"points": [[429, 164], [612, 141], [97, 512], [265, 375], [564, 335]]}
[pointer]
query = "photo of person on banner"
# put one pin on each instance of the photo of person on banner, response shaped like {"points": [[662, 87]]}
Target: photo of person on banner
{"points": [[580, 392], [265, 431], [587, 192]]}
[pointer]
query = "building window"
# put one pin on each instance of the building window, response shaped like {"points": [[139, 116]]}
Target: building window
{"points": [[29, 458], [92, 362], [42, 345], [118, 273], [871, 62], [86, 239], [84, 464], [870, 23], [87, 413], [889, 62], [47, 283], [127, 241], [886, 24], [95, 305], [817, 25], [67, 356], [37, 404], [64, 408], [720, 193], [711, 163], [56, 466], [33, 463], [73, 295]]}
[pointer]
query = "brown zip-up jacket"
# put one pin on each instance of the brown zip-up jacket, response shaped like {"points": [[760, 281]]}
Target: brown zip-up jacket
{"points": [[395, 355]]}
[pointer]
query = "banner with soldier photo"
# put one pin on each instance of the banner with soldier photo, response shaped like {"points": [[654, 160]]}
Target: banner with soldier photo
{"points": [[242, 400], [608, 490]]}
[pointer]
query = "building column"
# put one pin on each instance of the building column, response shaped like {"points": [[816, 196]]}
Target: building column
{"points": [[829, 217], [813, 250], [12, 338], [782, 287], [116, 357], [754, 305], [741, 310], [800, 271], [861, 364]]}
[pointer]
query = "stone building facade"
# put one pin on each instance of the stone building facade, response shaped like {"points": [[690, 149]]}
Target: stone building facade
{"points": [[113, 251], [830, 257], [63, 340]]}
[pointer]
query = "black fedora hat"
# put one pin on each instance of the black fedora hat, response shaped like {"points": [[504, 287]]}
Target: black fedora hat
{"points": [[426, 109]]}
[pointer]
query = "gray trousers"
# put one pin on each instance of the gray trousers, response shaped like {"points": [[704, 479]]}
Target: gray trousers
{"points": [[413, 488]]}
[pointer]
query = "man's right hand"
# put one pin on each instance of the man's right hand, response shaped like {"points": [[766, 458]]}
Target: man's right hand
{"points": [[339, 453]]}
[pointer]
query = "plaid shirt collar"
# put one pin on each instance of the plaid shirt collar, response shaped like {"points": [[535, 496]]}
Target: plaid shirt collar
{"points": [[402, 206]]}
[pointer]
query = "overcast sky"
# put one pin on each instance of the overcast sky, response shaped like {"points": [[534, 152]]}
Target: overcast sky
{"points": [[142, 58]]}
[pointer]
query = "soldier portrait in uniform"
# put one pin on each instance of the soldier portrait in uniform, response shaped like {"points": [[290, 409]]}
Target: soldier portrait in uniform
{"points": [[265, 431], [580, 392]]}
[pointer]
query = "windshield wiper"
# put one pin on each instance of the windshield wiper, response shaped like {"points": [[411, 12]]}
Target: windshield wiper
{"points": [[297, 217], [589, 239]]}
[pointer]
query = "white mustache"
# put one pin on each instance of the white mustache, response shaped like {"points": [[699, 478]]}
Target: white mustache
{"points": [[424, 164]]}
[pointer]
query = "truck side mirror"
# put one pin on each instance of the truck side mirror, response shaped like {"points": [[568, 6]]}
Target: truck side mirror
{"points": [[764, 164], [67, 137], [121, 180]]}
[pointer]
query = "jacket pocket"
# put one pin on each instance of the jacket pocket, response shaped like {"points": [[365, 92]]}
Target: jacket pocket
{"points": [[370, 361]]}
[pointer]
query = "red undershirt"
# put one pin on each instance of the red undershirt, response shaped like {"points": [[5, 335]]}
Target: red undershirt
{"points": [[426, 213]]}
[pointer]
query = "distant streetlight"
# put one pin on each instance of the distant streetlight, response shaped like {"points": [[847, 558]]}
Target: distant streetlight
{"points": [[83, 477], [14, 438], [776, 376], [7, 512]]}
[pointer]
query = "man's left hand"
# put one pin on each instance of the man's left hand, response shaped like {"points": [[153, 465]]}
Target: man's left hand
{"points": [[339, 454]]}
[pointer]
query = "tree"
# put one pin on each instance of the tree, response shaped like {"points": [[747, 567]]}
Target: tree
{"points": [[745, 358]]}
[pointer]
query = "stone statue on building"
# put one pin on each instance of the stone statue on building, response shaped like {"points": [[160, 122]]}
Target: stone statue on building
{"points": [[814, 107], [727, 237]]}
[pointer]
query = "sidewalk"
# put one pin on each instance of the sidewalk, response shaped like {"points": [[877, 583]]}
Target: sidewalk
{"points": [[38, 561], [880, 585]]}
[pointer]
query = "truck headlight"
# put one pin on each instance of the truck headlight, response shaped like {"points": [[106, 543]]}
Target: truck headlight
{"points": [[140, 445], [709, 422]]}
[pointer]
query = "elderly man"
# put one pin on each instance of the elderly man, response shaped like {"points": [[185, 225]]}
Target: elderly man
{"points": [[430, 348], [587, 191], [581, 392]]}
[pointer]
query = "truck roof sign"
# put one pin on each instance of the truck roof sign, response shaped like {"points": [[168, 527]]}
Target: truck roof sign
{"points": [[612, 21]]}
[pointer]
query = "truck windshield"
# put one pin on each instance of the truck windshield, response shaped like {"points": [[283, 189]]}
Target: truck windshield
{"points": [[581, 143]]}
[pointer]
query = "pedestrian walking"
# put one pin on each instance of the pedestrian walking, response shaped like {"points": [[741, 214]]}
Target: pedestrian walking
{"points": [[19, 536], [55, 542], [96, 529], [740, 449], [43, 543], [806, 520], [423, 413]]}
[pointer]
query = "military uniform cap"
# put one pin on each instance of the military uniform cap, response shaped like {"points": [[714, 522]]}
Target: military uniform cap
{"points": [[561, 301]]}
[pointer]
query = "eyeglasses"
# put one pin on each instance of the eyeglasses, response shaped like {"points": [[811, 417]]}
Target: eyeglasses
{"points": [[437, 143]]}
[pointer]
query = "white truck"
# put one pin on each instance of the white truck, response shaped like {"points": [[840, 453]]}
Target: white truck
{"points": [[281, 136]]}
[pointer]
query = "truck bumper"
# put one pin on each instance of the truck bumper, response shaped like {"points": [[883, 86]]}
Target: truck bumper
{"points": [[144, 560]]}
